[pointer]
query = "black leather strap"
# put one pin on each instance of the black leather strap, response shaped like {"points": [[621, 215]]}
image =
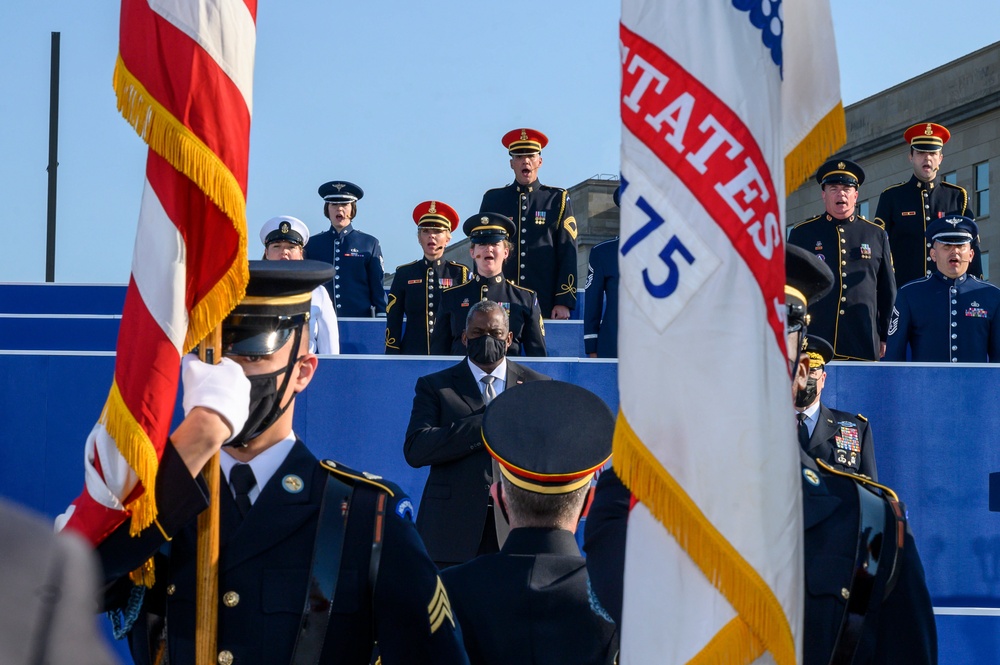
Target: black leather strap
{"points": [[876, 542], [324, 570]]}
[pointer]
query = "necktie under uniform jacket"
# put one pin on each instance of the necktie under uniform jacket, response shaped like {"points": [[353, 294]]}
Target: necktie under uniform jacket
{"points": [[264, 570], [445, 433], [544, 256], [416, 292]]}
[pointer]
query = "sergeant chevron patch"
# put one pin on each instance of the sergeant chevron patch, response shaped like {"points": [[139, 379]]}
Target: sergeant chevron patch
{"points": [[440, 608]]}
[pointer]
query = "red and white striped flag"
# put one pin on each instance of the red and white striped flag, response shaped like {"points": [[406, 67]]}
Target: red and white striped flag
{"points": [[713, 135], [184, 80]]}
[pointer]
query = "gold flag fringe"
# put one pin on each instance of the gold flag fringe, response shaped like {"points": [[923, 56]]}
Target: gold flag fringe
{"points": [[174, 142], [178, 145], [718, 560], [134, 445], [735, 644], [828, 136]]}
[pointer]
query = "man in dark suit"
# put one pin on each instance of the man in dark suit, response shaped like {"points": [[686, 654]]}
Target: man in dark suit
{"points": [[839, 438], [417, 287], [530, 603], [545, 228], [356, 256], [866, 597], [315, 559], [906, 209], [455, 518]]}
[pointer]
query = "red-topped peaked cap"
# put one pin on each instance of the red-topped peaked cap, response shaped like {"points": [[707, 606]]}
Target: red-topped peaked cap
{"points": [[435, 214], [927, 136], [524, 141]]}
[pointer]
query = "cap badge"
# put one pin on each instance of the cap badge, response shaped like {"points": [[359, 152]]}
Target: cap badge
{"points": [[285, 227], [954, 221], [433, 209], [524, 134], [484, 220], [339, 186], [292, 484], [929, 130], [841, 165]]}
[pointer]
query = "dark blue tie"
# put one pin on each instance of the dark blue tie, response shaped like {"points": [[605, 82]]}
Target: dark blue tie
{"points": [[242, 480]]}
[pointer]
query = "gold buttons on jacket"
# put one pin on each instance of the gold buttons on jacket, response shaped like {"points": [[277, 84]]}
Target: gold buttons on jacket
{"points": [[225, 657], [230, 599], [171, 589]]}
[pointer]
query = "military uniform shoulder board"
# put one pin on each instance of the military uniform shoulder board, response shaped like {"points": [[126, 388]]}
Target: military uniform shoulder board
{"points": [[457, 286], [861, 418], [898, 184], [398, 500], [406, 265], [351, 476], [518, 287], [806, 221]]}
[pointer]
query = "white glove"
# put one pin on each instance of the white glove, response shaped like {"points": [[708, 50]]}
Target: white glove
{"points": [[223, 388]]}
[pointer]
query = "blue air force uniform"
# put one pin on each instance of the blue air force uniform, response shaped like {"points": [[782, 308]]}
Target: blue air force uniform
{"points": [[520, 303], [946, 320], [906, 210], [544, 255], [600, 307], [356, 288], [416, 291]]}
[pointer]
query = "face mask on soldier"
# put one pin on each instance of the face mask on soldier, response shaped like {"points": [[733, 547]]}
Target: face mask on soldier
{"points": [[807, 395]]}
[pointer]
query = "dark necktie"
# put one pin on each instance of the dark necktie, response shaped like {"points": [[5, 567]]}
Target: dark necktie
{"points": [[242, 480], [489, 392], [803, 430]]}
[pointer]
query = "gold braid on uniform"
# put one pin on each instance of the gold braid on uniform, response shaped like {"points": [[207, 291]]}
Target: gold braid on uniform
{"points": [[569, 287]]}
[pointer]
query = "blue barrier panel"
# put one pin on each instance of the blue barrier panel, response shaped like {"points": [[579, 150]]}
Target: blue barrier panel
{"points": [[62, 298], [934, 428]]}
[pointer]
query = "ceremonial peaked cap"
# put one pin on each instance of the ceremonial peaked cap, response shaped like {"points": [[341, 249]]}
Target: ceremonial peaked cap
{"points": [[840, 172], [524, 141], [340, 191], [435, 214], [927, 137], [284, 227], [548, 437], [952, 230], [819, 350], [488, 227], [276, 303]]}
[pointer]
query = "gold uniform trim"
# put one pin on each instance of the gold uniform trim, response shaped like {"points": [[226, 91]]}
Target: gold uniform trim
{"points": [[545, 489], [333, 468], [272, 300]]}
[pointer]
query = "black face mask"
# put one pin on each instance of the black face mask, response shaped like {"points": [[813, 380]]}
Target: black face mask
{"points": [[265, 408], [486, 350], [807, 395]]}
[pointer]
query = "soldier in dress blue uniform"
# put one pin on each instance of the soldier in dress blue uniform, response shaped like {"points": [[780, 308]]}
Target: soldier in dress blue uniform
{"points": [[855, 317], [545, 230], [839, 438], [417, 287], [530, 602], [866, 598], [950, 315], [356, 287], [315, 559], [600, 308], [489, 246], [906, 209]]}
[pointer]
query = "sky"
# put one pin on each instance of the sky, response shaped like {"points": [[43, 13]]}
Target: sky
{"points": [[408, 100]]}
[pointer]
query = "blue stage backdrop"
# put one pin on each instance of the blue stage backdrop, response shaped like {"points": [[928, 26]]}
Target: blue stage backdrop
{"points": [[935, 430]]}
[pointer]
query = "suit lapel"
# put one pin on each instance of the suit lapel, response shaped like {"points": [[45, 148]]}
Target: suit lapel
{"points": [[515, 375], [466, 386], [277, 513]]}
